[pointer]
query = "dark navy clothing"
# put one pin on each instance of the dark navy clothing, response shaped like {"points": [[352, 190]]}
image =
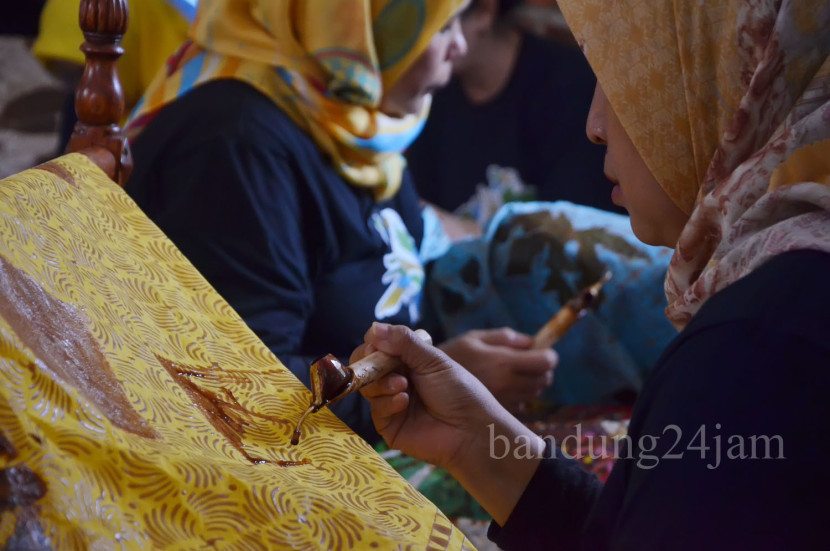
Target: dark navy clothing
{"points": [[258, 209], [535, 125], [753, 364]]}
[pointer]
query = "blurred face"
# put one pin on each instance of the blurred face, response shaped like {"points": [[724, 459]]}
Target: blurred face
{"points": [[476, 22], [655, 219], [430, 71]]}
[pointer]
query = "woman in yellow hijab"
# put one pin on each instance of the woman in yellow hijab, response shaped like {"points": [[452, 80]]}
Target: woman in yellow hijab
{"points": [[269, 150], [716, 118]]}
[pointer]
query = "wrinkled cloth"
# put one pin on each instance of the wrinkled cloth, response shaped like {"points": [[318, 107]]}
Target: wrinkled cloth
{"points": [[327, 63], [140, 412], [716, 97], [532, 259]]}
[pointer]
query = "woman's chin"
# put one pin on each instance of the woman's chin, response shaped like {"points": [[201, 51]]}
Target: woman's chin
{"points": [[401, 109], [650, 235], [616, 196]]}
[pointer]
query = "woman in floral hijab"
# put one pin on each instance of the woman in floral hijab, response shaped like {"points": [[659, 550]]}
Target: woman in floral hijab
{"points": [[716, 118], [727, 105]]}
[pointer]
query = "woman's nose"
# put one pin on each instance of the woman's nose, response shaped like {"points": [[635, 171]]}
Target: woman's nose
{"points": [[458, 46], [595, 124]]}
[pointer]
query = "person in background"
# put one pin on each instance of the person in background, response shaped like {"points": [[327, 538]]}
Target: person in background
{"points": [[518, 101], [20, 18], [155, 30], [270, 152], [716, 121]]}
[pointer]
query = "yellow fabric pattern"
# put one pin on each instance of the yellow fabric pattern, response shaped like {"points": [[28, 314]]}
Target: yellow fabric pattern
{"points": [[326, 63], [154, 32], [150, 414]]}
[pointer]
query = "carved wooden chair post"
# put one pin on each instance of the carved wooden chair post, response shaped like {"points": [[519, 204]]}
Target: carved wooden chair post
{"points": [[99, 101]]}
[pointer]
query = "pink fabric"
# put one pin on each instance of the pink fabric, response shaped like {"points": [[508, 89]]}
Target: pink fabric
{"points": [[739, 222]]}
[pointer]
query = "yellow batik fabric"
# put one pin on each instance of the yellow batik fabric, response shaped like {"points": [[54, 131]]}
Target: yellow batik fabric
{"points": [[138, 411], [716, 96], [326, 63]]}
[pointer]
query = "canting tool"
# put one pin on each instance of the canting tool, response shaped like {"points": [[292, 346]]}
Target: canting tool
{"points": [[331, 381], [564, 319]]}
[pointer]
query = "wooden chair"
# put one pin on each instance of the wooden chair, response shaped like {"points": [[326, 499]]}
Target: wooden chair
{"points": [[99, 101]]}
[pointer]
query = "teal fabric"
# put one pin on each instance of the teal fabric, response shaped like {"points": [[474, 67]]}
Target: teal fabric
{"points": [[532, 259]]}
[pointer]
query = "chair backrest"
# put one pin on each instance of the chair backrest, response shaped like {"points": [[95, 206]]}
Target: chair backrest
{"points": [[99, 101]]}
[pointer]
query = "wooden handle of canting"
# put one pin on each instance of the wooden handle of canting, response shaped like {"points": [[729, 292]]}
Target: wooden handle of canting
{"points": [[377, 364], [564, 319], [554, 329]]}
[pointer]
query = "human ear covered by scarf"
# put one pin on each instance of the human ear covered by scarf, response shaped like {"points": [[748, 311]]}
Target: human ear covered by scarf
{"points": [[728, 103], [326, 63]]}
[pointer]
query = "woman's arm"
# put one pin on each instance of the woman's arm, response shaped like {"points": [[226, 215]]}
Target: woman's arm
{"points": [[232, 209], [442, 414], [235, 209]]}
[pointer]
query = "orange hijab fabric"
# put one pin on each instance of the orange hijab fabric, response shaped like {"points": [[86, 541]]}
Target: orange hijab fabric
{"points": [[728, 103]]}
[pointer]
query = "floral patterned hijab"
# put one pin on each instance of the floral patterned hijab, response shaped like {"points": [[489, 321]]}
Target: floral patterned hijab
{"points": [[325, 62], [728, 103]]}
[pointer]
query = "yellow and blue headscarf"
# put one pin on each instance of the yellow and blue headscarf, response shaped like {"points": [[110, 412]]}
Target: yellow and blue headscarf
{"points": [[326, 63]]}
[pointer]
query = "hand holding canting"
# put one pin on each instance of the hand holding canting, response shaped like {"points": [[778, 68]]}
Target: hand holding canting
{"points": [[504, 361], [438, 412], [433, 410]]}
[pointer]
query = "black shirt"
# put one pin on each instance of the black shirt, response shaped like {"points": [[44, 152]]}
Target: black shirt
{"points": [[730, 444], [260, 211], [535, 125]]}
